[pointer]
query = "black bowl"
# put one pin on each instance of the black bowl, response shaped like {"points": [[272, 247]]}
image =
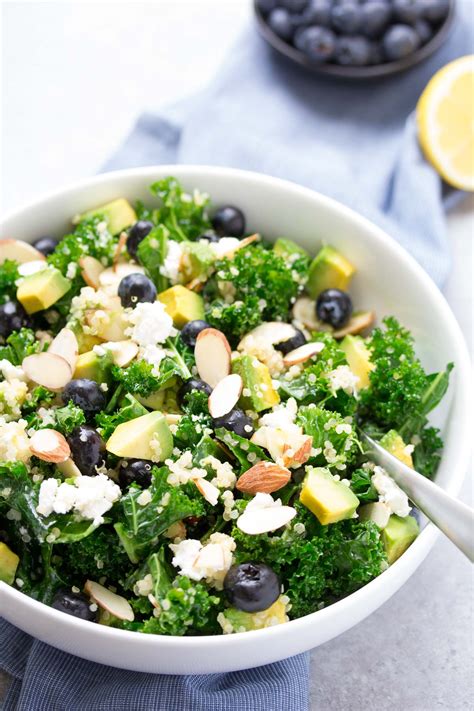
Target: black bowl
{"points": [[368, 72]]}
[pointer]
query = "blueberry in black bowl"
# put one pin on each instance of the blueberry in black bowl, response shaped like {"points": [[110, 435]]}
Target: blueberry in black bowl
{"points": [[252, 587], [317, 43], [353, 51], [229, 221], [136, 288], [75, 604], [46, 245], [334, 307], [87, 395], [137, 233], [400, 41]]}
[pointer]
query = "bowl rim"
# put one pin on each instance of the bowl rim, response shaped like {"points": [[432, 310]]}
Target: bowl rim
{"points": [[371, 71], [419, 549]]}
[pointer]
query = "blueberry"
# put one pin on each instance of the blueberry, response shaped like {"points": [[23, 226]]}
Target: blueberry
{"points": [[400, 41], [318, 43], [290, 344], [236, 421], [424, 31], [75, 604], [87, 449], [334, 307], [317, 12], [279, 21], [434, 10], [46, 245], [191, 331], [406, 11], [229, 221], [353, 51], [137, 233], [136, 471], [189, 386], [375, 17], [266, 6], [87, 395], [251, 587], [293, 5], [12, 317], [376, 53], [136, 288], [346, 18]]}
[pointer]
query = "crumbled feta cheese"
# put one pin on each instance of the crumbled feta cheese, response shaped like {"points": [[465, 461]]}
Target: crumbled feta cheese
{"points": [[182, 470], [342, 378], [71, 270], [282, 416], [210, 561], [11, 372], [153, 355], [225, 477], [224, 246], [171, 264], [144, 498], [89, 496], [12, 396], [14, 442], [150, 324], [390, 493]]}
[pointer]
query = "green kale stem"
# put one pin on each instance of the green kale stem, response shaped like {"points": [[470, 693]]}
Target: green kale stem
{"points": [[114, 399]]}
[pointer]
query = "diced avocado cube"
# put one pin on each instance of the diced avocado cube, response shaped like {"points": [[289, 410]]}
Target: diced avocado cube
{"points": [[240, 621], [329, 270], [41, 290], [93, 367], [398, 534], [182, 305], [330, 500], [8, 564], [119, 215], [196, 261], [358, 357], [258, 392], [394, 444], [287, 248], [147, 437], [377, 512]]}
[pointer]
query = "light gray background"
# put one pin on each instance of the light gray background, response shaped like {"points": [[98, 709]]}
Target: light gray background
{"points": [[75, 76]]}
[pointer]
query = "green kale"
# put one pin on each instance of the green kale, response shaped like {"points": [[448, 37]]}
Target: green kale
{"points": [[195, 420], [139, 527], [245, 452], [39, 397], [8, 277], [20, 344], [182, 214], [313, 384], [129, 409], [160, 571], [253, 273], [66, 418], [187, 606], [152, 253], [334, 439], [87, 239], [100, 554], [427, 453], [400, 394], [362, 487]]}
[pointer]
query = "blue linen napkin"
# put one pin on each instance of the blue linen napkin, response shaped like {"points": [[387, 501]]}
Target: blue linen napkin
{"points": [[354, 142]]}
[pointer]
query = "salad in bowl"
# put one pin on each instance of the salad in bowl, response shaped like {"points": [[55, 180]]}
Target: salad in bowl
{"points": [[180, 409]]}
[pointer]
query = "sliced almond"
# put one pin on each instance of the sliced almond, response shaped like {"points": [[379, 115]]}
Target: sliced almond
{"points": [[91, 269], [302, 354], [265, 477], [211, 557], [268, 333], [19, 251], [117, 605], [65, 345], [172, 419], [292, 458], [28, 268], [264, 520], [122, 352], [359, 322], [50, 446], [304, 312], [208, 490], [68, 469], [48, 369], [110, 278], [225, 395], [212, 352], [120, 247]]}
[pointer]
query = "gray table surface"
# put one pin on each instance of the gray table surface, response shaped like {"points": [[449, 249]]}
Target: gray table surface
{"points": [[109, 61]]}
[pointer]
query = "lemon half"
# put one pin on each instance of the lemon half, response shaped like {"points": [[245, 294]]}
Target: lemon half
{"points": [[445, 116]]}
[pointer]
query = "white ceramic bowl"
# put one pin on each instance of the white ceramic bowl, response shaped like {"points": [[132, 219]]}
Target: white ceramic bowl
{"points": [[387, 279]]}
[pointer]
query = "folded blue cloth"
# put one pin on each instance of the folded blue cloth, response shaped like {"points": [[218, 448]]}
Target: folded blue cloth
{"points": [[354, 142]]}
